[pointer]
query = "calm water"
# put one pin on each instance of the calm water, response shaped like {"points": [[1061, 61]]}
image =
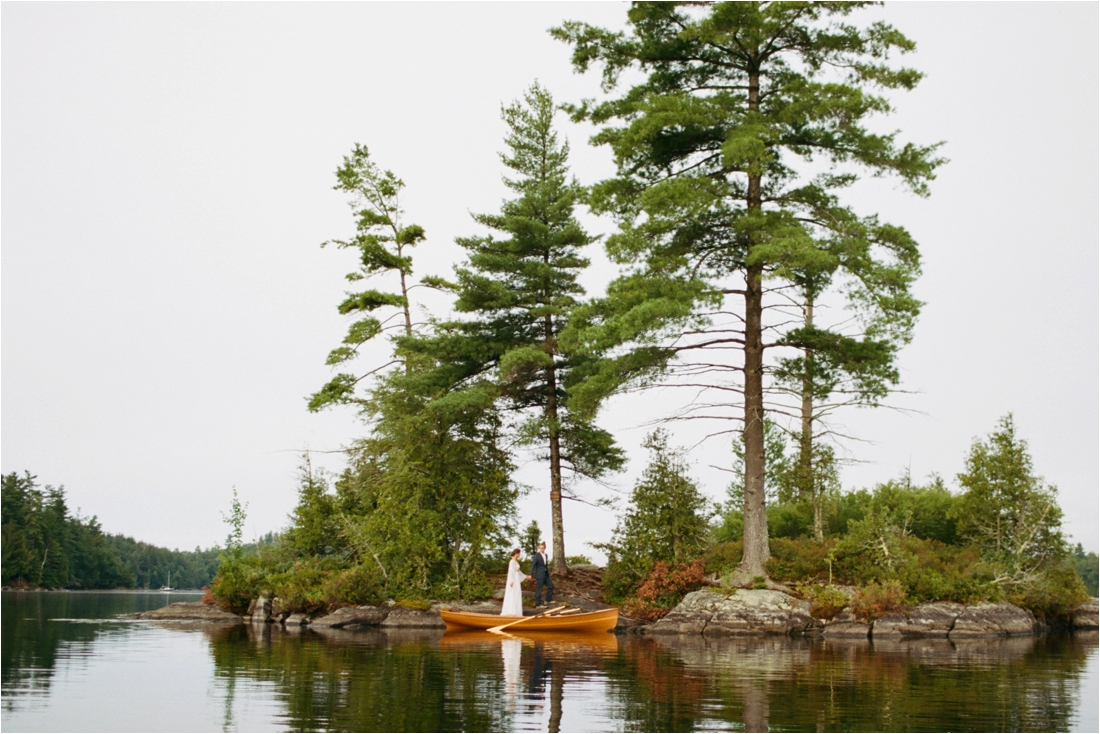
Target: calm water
{"points": [[68, 665]]}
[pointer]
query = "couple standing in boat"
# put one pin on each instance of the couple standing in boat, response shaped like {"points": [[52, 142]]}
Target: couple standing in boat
{"points": [[513, 594]]}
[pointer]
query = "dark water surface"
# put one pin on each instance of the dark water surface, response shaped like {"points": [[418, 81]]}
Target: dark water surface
{"points": [[69, 665]]}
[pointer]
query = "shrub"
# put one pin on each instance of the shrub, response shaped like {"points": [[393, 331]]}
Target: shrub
{"points": [[577, 560], [208, 596], [790, 520], [723, 558], [356, 586], [1056, 593], [799, 559], [826, 601], [238, 582], [663, 588], [414, 603], [877, 599], [302, 588]]}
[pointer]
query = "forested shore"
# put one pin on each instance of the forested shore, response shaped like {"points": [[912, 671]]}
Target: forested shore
{"points": [[46, 546], [743, 279]]}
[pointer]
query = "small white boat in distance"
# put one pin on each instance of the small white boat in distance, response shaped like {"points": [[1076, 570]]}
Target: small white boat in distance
{"points": [[168, 586]]}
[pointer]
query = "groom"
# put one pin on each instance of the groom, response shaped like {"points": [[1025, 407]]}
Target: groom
{"points": [[541, 571]]}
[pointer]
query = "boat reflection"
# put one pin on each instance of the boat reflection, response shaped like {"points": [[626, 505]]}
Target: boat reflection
{"points": [[536, 666]]}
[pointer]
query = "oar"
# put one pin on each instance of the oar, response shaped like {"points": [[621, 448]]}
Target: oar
{"points": [[563, 612], [499, 627]]}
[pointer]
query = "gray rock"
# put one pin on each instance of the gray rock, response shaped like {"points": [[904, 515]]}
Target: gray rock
{"points": [[690, 616], [191, 611], [846, 626], [935, 619], [1087, 616], [261, 610], [365, 615], [993, 620], [413, 618], [296, 620], [740, 612]]}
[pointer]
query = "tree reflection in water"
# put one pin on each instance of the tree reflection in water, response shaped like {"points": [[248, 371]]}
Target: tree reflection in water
{"points": [[427, 681]]}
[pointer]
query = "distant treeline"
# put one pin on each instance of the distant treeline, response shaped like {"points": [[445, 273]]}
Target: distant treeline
{"points": [[46, 546]]}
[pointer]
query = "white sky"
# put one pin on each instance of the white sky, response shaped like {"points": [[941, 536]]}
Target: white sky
{"points": [[166, 181]]}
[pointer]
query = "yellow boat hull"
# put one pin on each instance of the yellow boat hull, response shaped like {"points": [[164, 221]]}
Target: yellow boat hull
{"points": [[603, 620]]}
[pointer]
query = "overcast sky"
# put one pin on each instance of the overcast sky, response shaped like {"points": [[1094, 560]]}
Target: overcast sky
{"points": [[167, 177]]}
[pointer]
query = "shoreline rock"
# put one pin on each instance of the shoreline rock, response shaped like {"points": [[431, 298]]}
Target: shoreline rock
{"points": [[762, 612], [707, 612], [740, 612], [191, 611]]}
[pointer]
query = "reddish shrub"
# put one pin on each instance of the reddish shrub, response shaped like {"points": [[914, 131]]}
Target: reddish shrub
{"points": [[663, 589], [875, 600], [208, 596]]}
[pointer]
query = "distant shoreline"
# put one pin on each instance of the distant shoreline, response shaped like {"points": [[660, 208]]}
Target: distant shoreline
{"points": [[100, 591]]}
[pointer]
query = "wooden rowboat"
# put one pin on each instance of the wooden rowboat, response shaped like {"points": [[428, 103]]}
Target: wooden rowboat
{"points": [[600, 621]]}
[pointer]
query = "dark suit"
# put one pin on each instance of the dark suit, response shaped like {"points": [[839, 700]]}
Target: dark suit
{"points": [[541, 573]]}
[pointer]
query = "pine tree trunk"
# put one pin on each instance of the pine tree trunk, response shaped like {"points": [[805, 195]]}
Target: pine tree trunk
{"points": [[756, 552], [558, 565], [805, 440]]}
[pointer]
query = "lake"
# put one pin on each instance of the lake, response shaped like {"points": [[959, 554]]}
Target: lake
{"points": [[70, 665]]}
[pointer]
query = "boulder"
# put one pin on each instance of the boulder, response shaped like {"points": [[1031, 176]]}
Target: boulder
{"points": [[296, 620], [925, 620], [847, 625], [366, 615], [191, 611], [413, 618], [1087, 616], [261, 610], [740, 612], [993, 620], [690, 616]]}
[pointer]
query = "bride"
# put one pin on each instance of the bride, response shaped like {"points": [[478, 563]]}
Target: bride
{"points": [[513, 594]]}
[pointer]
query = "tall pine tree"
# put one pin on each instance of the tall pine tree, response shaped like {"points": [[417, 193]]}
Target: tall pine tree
{"points": [[383, 242], [718, 213], [520, 285]]}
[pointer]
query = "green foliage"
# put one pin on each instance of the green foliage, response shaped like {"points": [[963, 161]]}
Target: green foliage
{"points": [[44, 546], [315, 523], [666, 521], [428, 495], [1007, 511], [723, 558], [1054, 594], [382, 241], [530, 539], [800, 559], [153, 567], [742, 124], [519, 285], [1087, 566], [826, 601]]}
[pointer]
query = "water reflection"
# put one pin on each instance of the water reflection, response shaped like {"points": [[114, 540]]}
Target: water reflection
{"points": [[39, 628], [263, 678], [1015, 684]]}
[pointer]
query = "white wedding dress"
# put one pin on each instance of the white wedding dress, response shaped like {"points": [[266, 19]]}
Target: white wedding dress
{"points": [[513, 594]]}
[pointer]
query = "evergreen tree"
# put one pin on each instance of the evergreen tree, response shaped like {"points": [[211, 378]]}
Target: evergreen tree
{"points": [[315, 526], [716, 218], [383, 242], [667, 519], [520, 287], [531, 537], [1007, 511], [428, 494]]}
